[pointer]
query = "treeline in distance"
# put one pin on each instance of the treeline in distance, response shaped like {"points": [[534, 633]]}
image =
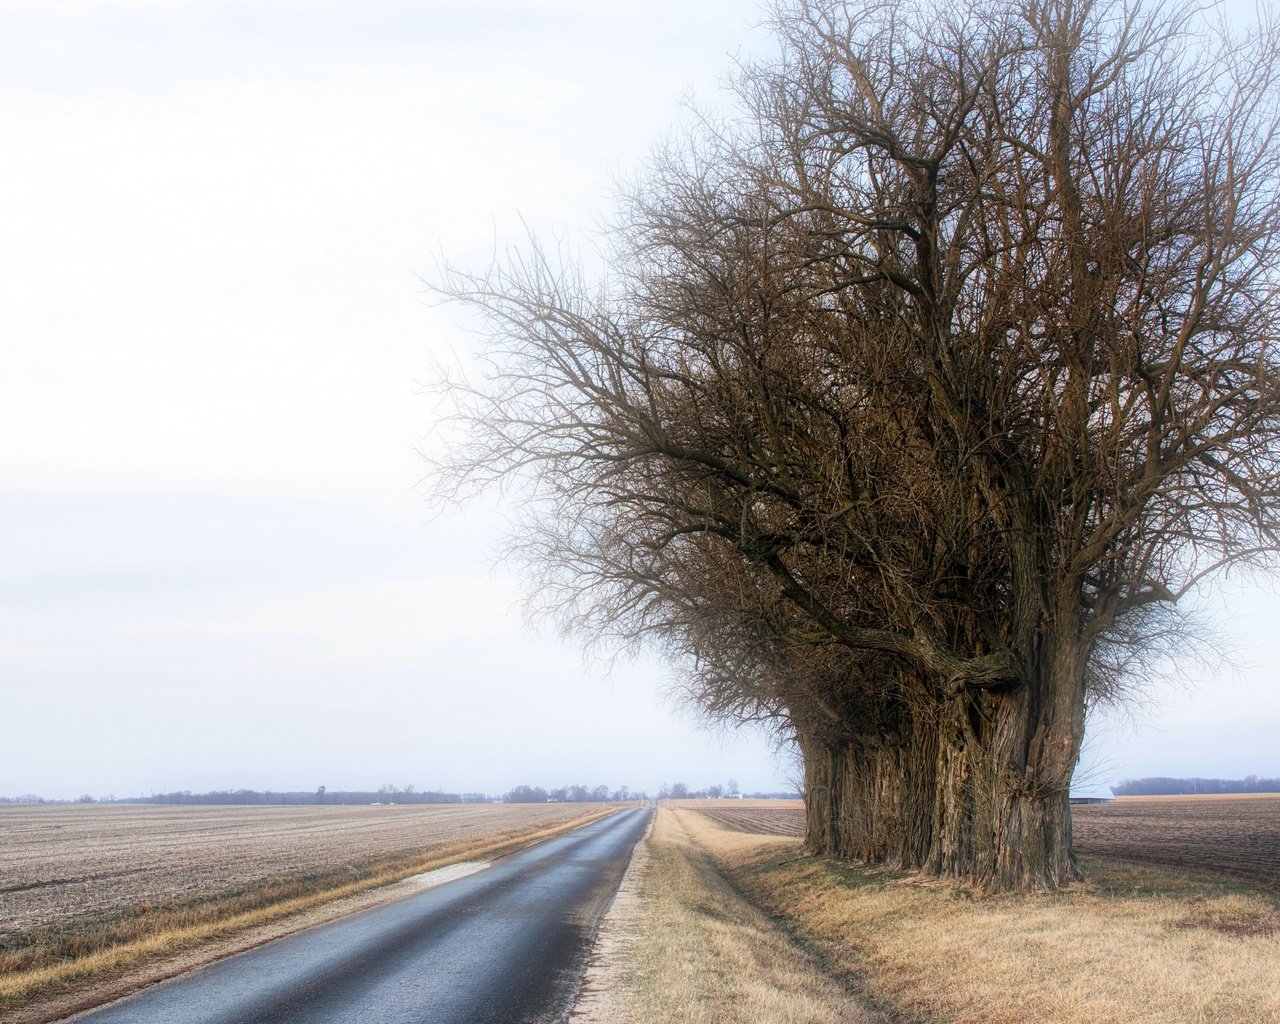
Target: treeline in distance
{"points": [[383, 795], [1179, 787]]}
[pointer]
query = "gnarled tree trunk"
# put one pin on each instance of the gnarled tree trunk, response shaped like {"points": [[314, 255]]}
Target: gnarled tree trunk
{"points": [[975, 787], [869, 799]]}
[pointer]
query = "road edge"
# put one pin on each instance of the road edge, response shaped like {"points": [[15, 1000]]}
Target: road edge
{"points": [[601, 996]]}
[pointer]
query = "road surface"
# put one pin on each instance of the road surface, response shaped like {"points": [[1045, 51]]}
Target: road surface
{"points": [[507, 945]]}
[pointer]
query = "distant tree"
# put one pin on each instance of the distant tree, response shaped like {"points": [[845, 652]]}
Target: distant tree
{"points": [[732, 788], [1164, 786], [320, 790], [715, 791], [679, 791], [526, 795]]}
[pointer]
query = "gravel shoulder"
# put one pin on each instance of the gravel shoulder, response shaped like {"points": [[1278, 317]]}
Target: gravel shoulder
{"points": [[603, 996]]}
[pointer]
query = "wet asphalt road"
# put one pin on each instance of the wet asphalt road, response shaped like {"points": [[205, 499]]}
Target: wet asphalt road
{"points": [[507, 945]]}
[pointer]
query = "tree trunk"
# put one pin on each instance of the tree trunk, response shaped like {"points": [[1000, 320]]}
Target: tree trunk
{"points": [[1003, 809], [870, 802], [977, 791], [1001, 825]]}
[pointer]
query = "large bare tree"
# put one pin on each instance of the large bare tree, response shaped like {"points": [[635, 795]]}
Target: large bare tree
{"points": [[915, 395]]}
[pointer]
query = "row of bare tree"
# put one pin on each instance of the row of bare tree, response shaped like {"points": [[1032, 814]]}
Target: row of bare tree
{"points": [[572, 794], [1162, 786], [913, 400], [680, 791]]}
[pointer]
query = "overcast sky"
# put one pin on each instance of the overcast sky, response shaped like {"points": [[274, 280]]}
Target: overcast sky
{"points": [[217, 563]]}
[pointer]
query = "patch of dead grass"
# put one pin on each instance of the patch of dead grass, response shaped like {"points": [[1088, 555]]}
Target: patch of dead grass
{"points": [[1135, 945], [701, 954]]}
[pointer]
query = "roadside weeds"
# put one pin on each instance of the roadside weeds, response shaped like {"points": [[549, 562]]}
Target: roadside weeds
{"points": [[691, 950], [1136, 944]]}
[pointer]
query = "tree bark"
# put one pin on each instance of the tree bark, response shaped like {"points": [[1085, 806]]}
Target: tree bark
{"points": [[870, 801], [976, 790]]}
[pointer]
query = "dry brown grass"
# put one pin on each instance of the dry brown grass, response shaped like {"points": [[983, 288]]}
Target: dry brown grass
{"points": [[1136, 945], [198, 882], [704, 955]]}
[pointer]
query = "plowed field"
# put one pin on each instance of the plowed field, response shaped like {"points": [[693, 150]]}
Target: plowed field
{"points": [[765, 817], [1236, 835], [59, 862]]}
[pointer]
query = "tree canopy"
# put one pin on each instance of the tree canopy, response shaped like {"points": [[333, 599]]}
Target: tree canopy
{"points": [[915, 399]]}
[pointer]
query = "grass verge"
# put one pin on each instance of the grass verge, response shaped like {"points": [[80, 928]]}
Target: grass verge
{"points": [[98, 947], [701, 954], [1136, 944]]}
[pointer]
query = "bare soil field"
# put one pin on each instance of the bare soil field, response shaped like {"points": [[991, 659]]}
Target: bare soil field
{"points": [[62, 861], [86, 892], [761, 817], [1235, 835]]}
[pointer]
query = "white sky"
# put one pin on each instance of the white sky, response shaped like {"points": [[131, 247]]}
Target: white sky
{"points": [[217, 567]]}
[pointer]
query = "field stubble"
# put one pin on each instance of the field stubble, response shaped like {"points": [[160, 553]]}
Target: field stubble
{"points": [[761, 817], [1235, 835], [88, 892], [59, 862]]}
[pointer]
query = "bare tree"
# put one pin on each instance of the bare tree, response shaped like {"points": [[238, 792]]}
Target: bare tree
{"points": [[914, 397]]}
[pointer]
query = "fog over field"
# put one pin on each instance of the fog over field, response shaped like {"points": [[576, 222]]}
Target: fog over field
{"points": [[218, 564]]}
